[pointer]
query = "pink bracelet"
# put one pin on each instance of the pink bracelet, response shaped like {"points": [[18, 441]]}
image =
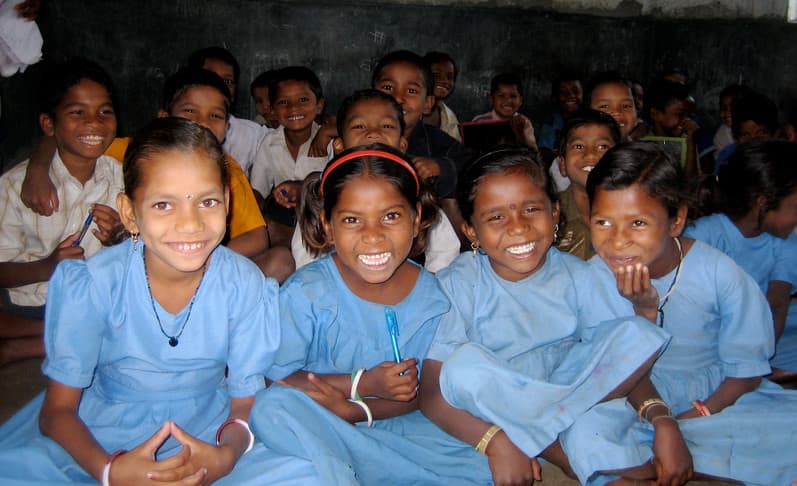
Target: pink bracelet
{"points": [[243, 424], [701, 408]]}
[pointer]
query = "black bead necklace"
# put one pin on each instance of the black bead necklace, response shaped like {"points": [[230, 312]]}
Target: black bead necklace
{"points": [[675, 280], [173, 340]]}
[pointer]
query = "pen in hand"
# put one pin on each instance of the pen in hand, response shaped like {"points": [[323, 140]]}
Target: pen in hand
{"points": [[84, 230], [393, 331]]}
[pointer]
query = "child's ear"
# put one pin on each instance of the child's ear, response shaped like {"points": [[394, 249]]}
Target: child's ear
{"points": [[319, 108], [328, 234], [416, 223], [555, 212], [562, 165], [428, 104], [470, 233], [403, 144], [655, 115], [491, 101], [163, 113], [227, 199], [337, 145], [679, 222], [47, 124], [126, 213]]}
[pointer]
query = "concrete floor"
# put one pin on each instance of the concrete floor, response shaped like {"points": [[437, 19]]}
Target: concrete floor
{"points": [[19, 382]]}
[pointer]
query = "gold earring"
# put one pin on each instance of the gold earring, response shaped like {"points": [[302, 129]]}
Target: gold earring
{"points": [[556, 232], [474, 247]]}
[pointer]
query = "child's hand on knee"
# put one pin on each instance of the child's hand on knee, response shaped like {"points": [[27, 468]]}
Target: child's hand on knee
{"points": [[391, 380], [332, 399], [204, 463], [508, 464]]}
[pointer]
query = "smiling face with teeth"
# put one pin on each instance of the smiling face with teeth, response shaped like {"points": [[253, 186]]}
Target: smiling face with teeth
{"points": [[616, 99], [372, 228], [506, 100], [513, 222], [584, 147], [83, 124], [179, 232], [296, 106]]}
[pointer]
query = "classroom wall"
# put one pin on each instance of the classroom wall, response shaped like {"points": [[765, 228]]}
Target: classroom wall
{"points": [[141, 42]]}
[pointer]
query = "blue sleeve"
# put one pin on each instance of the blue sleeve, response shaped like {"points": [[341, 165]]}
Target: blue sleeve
{"points": [[452, 331], [547, 137], [75, 324], [254, 332], [746, 336], [297, 329], [785, 268]]}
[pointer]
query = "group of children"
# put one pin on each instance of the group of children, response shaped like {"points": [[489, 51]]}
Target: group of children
{"points": [[592, 325]]}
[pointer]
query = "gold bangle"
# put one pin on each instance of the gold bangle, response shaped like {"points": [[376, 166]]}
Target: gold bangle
{"points": [[486, 438], [642, 410]]}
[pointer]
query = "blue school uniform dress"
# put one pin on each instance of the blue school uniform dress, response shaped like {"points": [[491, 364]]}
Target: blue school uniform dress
{"points": [[101, 335], [328, 329], [766, 258], [516, 354], [721, 327]]}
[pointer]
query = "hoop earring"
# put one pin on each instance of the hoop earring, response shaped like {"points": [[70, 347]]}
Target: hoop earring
{"points": [[474, 247], [556, 232], [134, 237]]}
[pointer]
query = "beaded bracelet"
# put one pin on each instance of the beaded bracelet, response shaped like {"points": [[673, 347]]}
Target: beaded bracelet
{"points": [[701, 408], [366, 409], [486, 438], [243, 424], [355, 382], [106, 469]]}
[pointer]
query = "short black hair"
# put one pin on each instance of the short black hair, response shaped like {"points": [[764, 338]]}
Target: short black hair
{"points": [[368, 94], [588, 117], [601, 78], [662, 92], [66, 74], [197, 59], [190, 77], [506, 79], [753, 106], [435, 56], [567, 75], [408, 57], [295, 73], [261, 81]]}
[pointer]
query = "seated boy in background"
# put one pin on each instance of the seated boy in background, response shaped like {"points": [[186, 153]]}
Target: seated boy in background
{"points": [[202, 96], [586, 136], [77, 111], [242, 136], [568, 95], [259, 91], [438, 158], [444, 72], [506, 98], [753, 117], [670, 105], [282, 160]]}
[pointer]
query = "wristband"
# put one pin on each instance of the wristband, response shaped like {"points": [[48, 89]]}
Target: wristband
{"points": [[106, 469], [701, 408], [356, 376], [486, 438], [366, 409], [243, 424]]}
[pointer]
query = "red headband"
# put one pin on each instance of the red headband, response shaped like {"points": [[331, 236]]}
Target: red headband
{"points": [[372, 153]]}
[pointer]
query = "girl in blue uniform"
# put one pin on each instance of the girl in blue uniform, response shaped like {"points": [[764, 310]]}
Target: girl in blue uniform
{"points": [[139, 336], [355, 325], [737, 426], [513, 365], [756, 199]]}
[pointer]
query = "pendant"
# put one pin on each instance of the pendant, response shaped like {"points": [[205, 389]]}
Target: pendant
{"points": [[173, 341]]}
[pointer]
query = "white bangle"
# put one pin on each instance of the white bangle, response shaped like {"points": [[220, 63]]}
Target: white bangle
{"points": [[355, 382], [366, 409], [243, 424], [106, 469]]}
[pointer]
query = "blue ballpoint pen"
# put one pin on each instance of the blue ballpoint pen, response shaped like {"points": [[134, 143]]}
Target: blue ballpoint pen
{"points": [[84, 230], [393, 330]]}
